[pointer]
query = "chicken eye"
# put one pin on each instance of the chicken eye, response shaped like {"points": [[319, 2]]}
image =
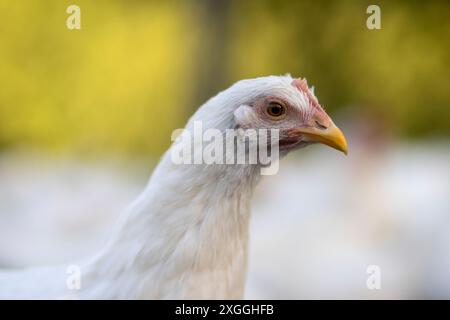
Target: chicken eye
{"points": [[275, 110]]}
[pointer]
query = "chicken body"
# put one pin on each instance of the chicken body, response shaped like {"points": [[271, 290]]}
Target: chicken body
{"points": [[185, 236]]}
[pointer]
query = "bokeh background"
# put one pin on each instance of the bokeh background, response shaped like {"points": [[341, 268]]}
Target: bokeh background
{"points": [[85, 115]]}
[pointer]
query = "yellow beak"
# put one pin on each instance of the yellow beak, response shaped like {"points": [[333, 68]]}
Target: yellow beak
{"points": [[331, 136]]}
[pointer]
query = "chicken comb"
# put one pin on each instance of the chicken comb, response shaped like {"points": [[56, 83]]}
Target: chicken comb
{"points": [[302, 85]]}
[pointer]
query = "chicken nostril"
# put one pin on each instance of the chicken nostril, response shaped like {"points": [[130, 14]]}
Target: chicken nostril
{"points": [[321, 126]]}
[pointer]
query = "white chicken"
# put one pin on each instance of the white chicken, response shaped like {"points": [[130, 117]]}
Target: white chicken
{"points": [[185, 236]]}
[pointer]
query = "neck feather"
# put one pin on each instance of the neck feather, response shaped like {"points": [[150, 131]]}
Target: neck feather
{"points": [[185, 236]]}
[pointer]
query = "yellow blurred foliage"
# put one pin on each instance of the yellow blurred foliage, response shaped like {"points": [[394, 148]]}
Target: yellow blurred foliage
{"points": [[137, 69]]}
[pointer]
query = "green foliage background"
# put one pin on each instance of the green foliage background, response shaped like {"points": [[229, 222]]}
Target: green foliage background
{"points": [[137, 69]]}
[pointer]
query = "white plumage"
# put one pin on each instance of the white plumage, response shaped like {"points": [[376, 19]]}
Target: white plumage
{"points": [[186, 235]]}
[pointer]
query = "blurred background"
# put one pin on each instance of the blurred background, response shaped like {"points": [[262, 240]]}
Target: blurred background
{"points": [[86, 114]]}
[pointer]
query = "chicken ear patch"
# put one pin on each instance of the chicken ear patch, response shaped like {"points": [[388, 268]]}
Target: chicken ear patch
{"points": [[244, 115]]}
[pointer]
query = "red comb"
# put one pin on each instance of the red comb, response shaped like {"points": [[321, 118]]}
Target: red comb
{"points": [[302, 86]]}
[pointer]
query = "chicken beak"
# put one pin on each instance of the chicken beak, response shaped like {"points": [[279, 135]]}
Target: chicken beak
{"points": [[331, 136]]}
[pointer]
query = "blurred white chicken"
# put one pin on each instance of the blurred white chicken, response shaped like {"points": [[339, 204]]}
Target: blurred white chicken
{"points": [[185, 236]]}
